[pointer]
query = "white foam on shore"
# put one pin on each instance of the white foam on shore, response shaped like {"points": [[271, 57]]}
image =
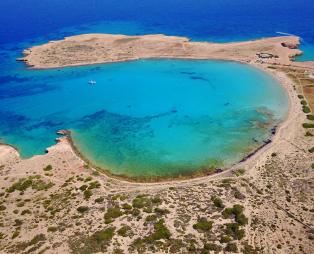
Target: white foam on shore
{"points": [[284, 33]]}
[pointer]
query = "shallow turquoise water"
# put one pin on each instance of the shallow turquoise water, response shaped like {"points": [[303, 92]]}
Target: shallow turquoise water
{"points": [[308, 53], [145, 118]]}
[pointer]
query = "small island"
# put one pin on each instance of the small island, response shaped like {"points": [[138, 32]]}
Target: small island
{"points": [[88, 49]]}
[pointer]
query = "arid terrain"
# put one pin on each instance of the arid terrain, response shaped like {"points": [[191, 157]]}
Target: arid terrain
{"points": [[57, 203], [106, 48]]}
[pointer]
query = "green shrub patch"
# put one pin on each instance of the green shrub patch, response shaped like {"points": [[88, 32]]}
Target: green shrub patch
{"points": [[203, 225]]}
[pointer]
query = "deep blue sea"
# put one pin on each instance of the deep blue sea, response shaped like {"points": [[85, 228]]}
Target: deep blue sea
{"points": [[146, 117], [224, 20]]}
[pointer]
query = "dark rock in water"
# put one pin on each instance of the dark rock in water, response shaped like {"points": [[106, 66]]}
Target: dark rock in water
{"points": [[10, 117], [255, 140], [267, 141], [187, 72], [273, 130], [12, 78], [23, 89], [198, 78], [45, 124], [21, 59], [218, 170]]}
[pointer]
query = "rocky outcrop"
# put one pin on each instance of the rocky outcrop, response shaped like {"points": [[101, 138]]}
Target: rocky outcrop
{"points": [[266, 55], [21, 59], [290, 45], [64, 132]]}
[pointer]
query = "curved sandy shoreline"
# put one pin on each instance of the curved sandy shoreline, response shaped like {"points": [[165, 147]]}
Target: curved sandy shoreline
{"points": [[292, 107], [243, 52], [287, 126]]}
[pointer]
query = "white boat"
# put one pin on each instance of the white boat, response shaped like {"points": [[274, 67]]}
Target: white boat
{"points": [[92, 82]]}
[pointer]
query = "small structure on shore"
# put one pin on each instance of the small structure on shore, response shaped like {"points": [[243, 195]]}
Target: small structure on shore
{"points": [[266, 55], [310, 74]]}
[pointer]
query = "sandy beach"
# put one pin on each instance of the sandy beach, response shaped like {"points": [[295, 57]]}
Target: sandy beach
{"points": [[275, 185]]}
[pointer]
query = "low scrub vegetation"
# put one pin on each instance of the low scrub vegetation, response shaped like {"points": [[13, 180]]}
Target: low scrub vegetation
{"points": [[237, 212], [233, 230], [112, 213], [308, 125], [47, 168], [306, 109], [96, 243], [218, 202], [82, 209], [34, 182], [124, 231], [203, 225], [310, 117], [161, 231]]}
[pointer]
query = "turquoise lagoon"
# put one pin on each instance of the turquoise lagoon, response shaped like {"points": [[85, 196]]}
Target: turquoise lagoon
{"points": [[147, 118]]}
